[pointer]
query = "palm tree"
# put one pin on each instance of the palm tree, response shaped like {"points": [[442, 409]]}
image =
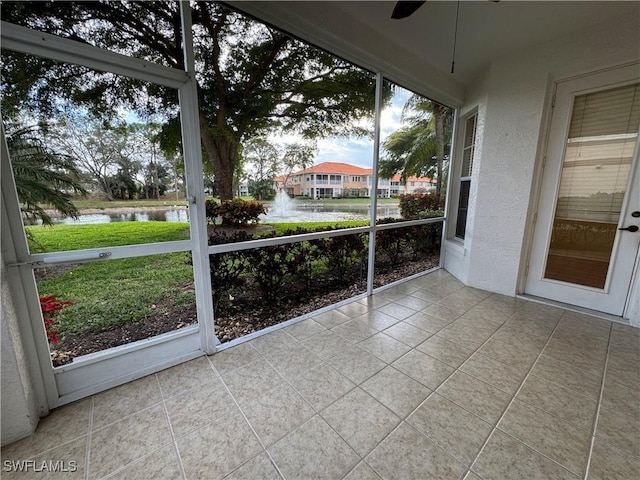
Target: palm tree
{"points": [[418, 149], [43, 178]]}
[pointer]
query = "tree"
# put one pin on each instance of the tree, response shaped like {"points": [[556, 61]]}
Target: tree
{"points": [[252, 79], [261, 164], [297, 156], [418, 148], [101, 150], [43, 177]]}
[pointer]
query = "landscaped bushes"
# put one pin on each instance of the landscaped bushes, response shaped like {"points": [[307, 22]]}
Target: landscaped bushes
{"points": [[294, 267], [234, 212], [415, 206]]}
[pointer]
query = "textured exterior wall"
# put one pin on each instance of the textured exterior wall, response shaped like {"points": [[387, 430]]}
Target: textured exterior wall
{"points": [[512, 99], [19, 411]]}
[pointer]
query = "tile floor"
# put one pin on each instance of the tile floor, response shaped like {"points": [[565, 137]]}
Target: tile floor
{"points": [[427, 380]]}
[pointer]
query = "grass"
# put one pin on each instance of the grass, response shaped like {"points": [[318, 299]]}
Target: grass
{"points": [[59, 238], [114, 292]]}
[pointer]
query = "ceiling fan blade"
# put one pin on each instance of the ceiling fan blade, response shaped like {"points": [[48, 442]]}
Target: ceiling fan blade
{"points": [[406, 8]]}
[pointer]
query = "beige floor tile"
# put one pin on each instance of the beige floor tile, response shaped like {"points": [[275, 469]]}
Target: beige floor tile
{"points": [[326, 344], [623, 399], [396, 310], [162, 464], [429, 295], [415, 303], [384, 347], [519, 359], [426, 322], [559, 401], [619, 430], [112, 405], [293, 359], [355, 330], [232, 358], [127, 440], [464, 335], [623, 370], [506, 458], [277, 412], [304, 329], [493, 372], [407, 334], [585, 323], [444, 312], [69, 460], [321, 386], [360, 420], [462, 298], [585, 359], [482, 317], [547, 434], [333, 318], [608, 462], [471, 476], [314, 450], [477, 397], [423, 368], [187, 411], [62, 425], [218, 448], [362, 472], [458, 432], [448, 352], [352, 310], [377, 320], [516, 334], [542, 327], [374, 301], [269, 342], [573, 378], [251, 380], [583, 340], [356, 364], [539, 310], [406, 454], [188, 375], [259, 467], [396, 391]]}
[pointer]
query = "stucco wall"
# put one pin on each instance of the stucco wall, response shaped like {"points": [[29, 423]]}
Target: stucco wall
{"points": [[512, 98], [19, 410]]}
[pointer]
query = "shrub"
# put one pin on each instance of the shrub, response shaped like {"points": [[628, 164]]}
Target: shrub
{"points": [[343, 253], [227, 269], [234, 212], [413, 205]]}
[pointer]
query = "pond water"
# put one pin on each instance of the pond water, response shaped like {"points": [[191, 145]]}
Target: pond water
{"points": [[297, 212]]}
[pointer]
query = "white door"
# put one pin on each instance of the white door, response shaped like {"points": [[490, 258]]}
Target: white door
{"points": [[586, 237]]}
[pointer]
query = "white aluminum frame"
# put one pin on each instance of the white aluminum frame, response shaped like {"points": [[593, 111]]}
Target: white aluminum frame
{"points": [[96, 372]]}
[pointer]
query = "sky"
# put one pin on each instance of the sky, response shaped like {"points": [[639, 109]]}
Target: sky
{"points": [[357, 151]]}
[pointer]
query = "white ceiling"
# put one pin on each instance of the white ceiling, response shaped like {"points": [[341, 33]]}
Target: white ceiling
{"points": [[486, 29]]}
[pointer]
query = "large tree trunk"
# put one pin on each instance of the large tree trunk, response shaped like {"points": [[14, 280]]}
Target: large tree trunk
{"points": [[438, 112], [223, 154]]}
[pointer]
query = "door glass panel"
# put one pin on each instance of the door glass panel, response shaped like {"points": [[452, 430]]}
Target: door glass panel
{"points": [[595, 172]]}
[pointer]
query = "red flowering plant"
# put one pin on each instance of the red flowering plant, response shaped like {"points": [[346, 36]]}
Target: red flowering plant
{"points": [[50, 306]]}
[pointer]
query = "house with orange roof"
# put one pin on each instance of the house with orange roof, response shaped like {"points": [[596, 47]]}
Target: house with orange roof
{"points": [[337, 179]]}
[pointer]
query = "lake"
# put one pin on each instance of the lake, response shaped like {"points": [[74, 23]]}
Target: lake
{"points": [[296, 212]]}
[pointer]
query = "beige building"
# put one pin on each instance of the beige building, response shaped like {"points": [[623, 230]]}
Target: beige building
{"points": [[335, 179]]}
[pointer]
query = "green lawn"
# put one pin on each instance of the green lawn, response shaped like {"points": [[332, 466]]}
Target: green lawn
{"points": [[59, 238], [114, 292]]}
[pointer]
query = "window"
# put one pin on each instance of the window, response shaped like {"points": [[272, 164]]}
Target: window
{"points": [[465, 175]]}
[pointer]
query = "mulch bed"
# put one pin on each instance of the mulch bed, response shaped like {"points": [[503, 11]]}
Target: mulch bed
{"points": [[249, 315]]}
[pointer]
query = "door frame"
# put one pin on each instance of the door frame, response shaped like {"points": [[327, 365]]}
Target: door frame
{"points": [[628, 69]]}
